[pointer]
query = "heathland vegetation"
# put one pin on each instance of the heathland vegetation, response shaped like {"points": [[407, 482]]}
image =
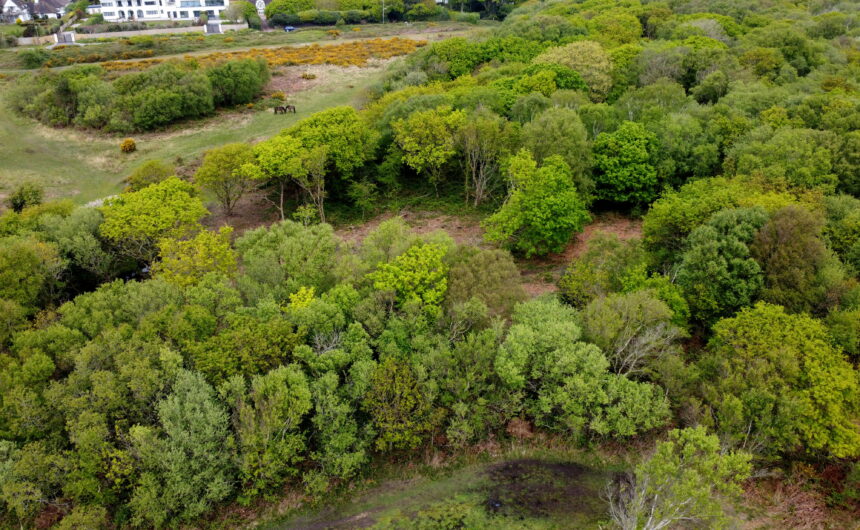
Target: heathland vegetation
{"points": [[157, 371]]}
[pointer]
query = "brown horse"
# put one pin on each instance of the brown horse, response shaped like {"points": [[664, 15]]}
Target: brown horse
{"points": [[285, 109]]}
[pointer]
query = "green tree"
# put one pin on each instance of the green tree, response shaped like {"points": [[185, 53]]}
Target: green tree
{"points": [[792, 255], [589, 59], [565, 382], [543, 209], [601, 270], [490, 276], [148, 173], [136, 221], [428, 139], [237, 82], [280, 259], [224, 173], [24, 195], [718, 273], [313, 178], [624, 163], [351, 142], [279, 160], [682, 482], [267, 422], [634, 330], [559, 131], [188, 469], [777, 385], [486, 140], [186, 262], [417, 275], [29, 271], [399, 410]]}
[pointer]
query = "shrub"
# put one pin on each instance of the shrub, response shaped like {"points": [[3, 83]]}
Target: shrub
{"points": [[128, 145], [34, 58], [25, 195]]}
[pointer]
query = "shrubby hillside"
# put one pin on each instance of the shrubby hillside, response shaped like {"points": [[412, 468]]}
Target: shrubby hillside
{"points": [[155, 370]]}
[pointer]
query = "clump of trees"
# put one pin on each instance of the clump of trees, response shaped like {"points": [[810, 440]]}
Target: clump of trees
{"points": [[222, 370], [84, 96]]}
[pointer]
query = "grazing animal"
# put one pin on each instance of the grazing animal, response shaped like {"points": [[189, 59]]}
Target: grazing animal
{"points": [[290, 108], [280, 110]]}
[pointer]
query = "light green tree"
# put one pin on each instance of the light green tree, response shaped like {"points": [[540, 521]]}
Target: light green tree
{"points": [[683, 482], [543, 209], [279, 161], [624, 163], [778, 385], [136, 221], [185, 262], [429, 139], [223, 173], [417, 275]]}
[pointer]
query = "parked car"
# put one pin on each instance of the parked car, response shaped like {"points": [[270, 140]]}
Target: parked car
{"points": [[289, 28]]}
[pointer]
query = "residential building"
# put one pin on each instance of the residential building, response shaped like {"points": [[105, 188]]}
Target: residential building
{"points": [[26, 10], [143, 10]]}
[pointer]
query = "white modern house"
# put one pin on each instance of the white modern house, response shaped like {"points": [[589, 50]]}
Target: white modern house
{"points": [[26, 10], [143, 10]]}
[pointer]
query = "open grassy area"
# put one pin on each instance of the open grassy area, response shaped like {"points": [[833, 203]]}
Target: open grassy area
{"points": [[11, 29], [520, 487], [84, 166]]}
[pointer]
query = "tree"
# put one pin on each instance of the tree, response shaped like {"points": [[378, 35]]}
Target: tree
{"points": [[490, 276], [279, 160], [799, 157], [267, 422], [342, 441], [778, 386], [313, 179], [187, 470], [565, 382], [24, 195], [634, 330], [280, 259], [148, 173], [29, 271], [486, 140], [224, 173], [417, 275], [589, 59], [428, 139], [624, 163], [601, 270], [559, 131], [398, 409], [679, 484], [717, 272], [186, 262], [237, 82], [791, 254], [351, 142], [136, 221], [543, 209]]}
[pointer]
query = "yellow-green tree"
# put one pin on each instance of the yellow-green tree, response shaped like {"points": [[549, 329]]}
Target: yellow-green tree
{"points": [[429, 139], [185, 262]]}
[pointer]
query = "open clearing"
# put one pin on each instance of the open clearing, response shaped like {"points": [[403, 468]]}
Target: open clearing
{"points": [[518, 492], [85, 166]]}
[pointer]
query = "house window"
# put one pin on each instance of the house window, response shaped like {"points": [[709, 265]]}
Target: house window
{"points": [[149, 3], [183, 14], [108, 13], [151, 13]]}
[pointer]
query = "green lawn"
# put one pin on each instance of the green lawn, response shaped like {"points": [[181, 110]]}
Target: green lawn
{"points": [[12, 29], [524, 488], [85, 167]]}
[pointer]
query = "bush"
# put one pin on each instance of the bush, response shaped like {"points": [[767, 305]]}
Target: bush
{"points": [[237, 82], [469, 18], [326, 18], [25, 195], [34, 58], [128, 145]]}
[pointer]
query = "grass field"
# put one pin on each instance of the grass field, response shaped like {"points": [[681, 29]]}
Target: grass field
{"points": [[84, 166], [521, 487]]}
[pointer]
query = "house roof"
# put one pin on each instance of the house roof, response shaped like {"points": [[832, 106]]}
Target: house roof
{"points": [[42, 7]]}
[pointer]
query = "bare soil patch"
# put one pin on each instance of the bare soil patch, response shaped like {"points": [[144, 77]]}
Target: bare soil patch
{"points": [[252, 211], [464, 230]]}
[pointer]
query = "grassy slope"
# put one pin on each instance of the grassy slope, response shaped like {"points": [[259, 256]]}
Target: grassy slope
{"points": [[86, 167]]}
